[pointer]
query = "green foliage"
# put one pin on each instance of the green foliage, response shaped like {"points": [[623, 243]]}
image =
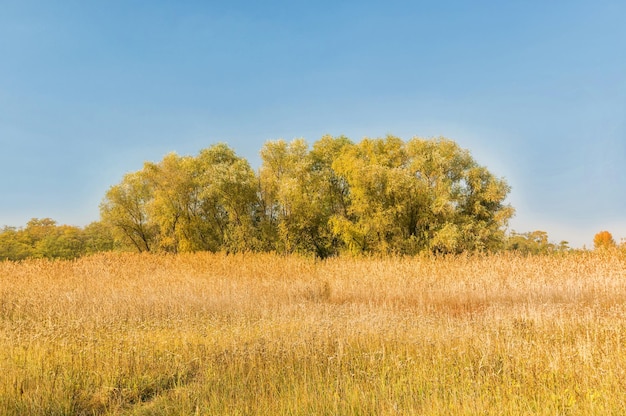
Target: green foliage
{"points": [[228, 200], [98, 238], [14, 245], [377, 192], [378, 196], [43, 238], [124, 209], [184, 204], [301, 193], [420, 195], [534, 242], [171, 206]]}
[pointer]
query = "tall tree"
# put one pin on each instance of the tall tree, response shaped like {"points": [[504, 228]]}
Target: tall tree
{"points": [[423, 194], [301, 192], [173, 203], [378, 194], [284, 176], [466, 209], [124, 209], [185, 203], [227, 196]]}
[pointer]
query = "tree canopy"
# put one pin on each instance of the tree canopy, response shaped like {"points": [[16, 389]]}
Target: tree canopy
{"points": [[44, 238], [378, 196], [374, 197], [603, 240]]}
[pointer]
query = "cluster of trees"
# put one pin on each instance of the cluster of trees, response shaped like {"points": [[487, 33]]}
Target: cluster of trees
{"points": [[378, 196], [534, 242], [44, 238]]}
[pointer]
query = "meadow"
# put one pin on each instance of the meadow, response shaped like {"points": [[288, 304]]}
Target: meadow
{"points": [[248, 334]]}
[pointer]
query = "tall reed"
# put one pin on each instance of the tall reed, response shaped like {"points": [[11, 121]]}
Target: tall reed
{"points": [[266, 334]]}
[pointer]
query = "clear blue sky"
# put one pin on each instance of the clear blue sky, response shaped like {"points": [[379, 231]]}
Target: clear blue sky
{"points": [[536, 90]]}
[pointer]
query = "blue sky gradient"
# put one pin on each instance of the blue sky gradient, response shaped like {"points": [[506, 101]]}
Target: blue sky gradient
{"points": [[535, 90]]}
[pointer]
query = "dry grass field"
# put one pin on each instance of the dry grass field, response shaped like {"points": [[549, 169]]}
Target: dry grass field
{"points": [[217, 334]]}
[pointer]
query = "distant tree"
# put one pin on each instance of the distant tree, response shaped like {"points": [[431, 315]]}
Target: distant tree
{"points": [[37, 229], [98, 237], [48, 240], [44, 238], [330, 194], [60, 242], [603, 240], [14, 245], [534, 242]]}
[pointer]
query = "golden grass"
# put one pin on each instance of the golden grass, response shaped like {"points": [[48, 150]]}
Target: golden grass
{"points": [[220, 334]]}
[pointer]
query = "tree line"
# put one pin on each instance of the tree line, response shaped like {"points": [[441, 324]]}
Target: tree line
{"points": [[376, 196], [44, 238]]}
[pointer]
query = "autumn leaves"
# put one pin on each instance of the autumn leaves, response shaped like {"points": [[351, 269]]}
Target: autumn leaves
{"points": [[375, 196]]}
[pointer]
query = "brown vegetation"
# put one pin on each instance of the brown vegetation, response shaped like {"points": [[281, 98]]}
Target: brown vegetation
{"points": [[603, 240], [263, 334]]}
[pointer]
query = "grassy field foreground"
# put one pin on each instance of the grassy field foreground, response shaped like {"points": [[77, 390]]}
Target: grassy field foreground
{"points": [[263, 334]]}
